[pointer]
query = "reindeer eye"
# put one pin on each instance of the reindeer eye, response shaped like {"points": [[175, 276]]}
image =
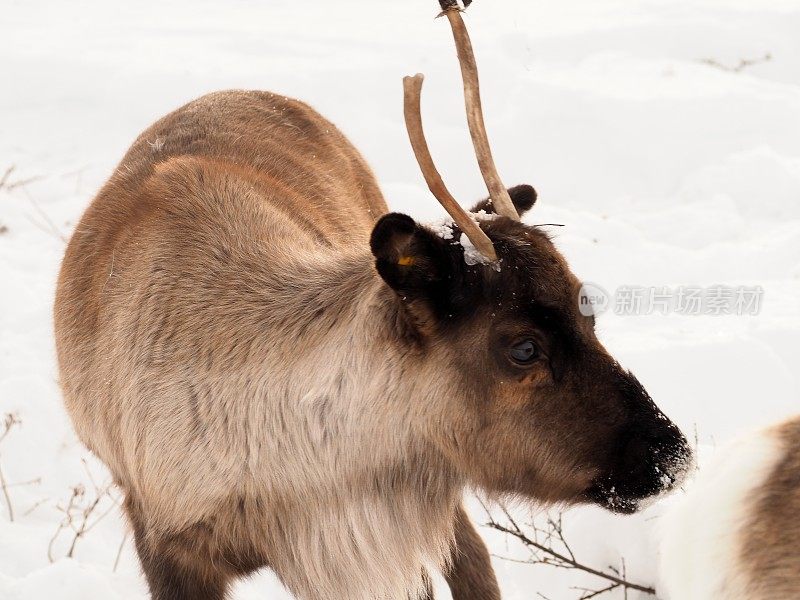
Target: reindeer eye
{"points": [[525, 352]]}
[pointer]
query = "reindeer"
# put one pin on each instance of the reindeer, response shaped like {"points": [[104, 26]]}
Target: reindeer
{"points": [[280, 373], [734, 535]]}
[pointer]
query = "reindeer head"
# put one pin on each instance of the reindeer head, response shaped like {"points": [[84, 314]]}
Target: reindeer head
{"points": [[533, 404]]}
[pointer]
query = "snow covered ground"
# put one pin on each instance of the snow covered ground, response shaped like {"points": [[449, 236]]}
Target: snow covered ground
{"points": [[668, 164]]}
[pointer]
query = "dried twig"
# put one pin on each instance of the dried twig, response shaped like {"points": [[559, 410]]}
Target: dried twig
{"points": [[9, 421], [35, 506], [66, 521], [119, 551], [35, 481], [4, 486], [79, 511], [53, 228], [741, 66], [549, 546], [7, 184], [594, 593], [6, 175]]}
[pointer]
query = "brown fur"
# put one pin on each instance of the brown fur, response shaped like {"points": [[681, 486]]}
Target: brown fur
{"points": [[770, 549], [266, 391], [468, 576], [152, 265]]}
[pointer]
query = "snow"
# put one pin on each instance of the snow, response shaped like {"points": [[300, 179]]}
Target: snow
{"points": [[473, 256], [701, 533], [444, 230], [666, 171]]}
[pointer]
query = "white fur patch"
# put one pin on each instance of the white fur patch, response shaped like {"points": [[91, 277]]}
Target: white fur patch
{"points": [[701, 533]]}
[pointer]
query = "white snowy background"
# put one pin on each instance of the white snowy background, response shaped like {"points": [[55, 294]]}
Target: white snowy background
{"points": [[666, 165]]}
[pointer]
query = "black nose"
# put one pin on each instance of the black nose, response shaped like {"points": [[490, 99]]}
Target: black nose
{"points": [[651, 455], [652, 458]]}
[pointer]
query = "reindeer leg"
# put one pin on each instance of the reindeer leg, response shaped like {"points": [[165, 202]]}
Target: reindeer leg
{"points": [[471, 576], [169, 580], [178, 567]]}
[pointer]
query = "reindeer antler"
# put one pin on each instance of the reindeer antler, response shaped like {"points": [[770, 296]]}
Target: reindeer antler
{"points": [[477, 129], [412, 88]]}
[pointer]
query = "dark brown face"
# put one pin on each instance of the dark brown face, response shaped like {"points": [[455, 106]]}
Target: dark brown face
{"points": [[543, 410]]}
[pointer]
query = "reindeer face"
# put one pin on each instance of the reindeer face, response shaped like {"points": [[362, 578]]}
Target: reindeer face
{"points": [[535, 405]]}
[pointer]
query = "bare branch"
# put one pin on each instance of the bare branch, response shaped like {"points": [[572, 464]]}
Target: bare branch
{"points": [[35, 506], [54, 230], [594, 593], [4, 486], [78, 517], [23, 182], [546, 552], [9, 421], [7, 184], [741, 66], [35, 481], [6, 175], [77, 492], [119, 551]]}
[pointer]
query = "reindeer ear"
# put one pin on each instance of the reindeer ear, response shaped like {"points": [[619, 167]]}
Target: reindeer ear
{"points": [[523, 197], [412, 260]]}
